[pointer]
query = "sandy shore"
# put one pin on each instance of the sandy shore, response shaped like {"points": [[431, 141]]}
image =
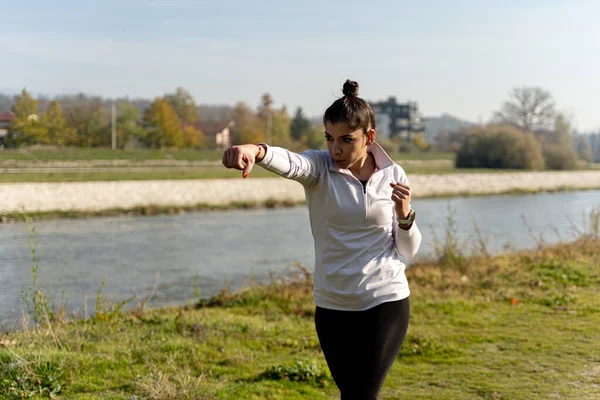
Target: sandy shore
{"points": [[98, 196]]}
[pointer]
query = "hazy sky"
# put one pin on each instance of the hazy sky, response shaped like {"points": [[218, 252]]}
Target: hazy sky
{"points": [[457, 57]]}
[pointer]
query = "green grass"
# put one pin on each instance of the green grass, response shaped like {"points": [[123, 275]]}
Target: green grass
{"points": [[135, 169], [74, 153], [87, 154], [514, 326], [425, 156]]}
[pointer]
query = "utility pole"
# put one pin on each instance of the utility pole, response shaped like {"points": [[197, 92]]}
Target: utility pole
{"points": [[269, 138], [114, 126]]}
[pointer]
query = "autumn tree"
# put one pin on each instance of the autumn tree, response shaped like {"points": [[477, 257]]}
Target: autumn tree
{"points": [[280, 126], [89, 121], [193, 138], [163, 127], [184, 105], [26, 127], [59, 131], [314, 138], [98, 127], [248, 126], [420, 141], [128, 126]]}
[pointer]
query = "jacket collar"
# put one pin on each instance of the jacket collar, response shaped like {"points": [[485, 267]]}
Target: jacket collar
{"points": [[382, 160]]}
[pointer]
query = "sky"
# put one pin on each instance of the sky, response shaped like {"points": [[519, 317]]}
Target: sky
{"points": [[456, 57]]}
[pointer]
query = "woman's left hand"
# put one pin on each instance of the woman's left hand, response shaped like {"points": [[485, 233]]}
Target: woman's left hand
{"points": [[401, 197]]}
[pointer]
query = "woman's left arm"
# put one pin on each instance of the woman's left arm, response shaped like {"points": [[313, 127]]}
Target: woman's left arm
{"points": [[408, 241], [407, 235]]}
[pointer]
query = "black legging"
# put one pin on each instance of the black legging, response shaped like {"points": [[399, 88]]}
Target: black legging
{"points": [[361, 346]]}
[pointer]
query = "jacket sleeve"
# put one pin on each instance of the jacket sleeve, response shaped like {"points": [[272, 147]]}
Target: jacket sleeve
{"points": [[305, 167], [408, 241]]}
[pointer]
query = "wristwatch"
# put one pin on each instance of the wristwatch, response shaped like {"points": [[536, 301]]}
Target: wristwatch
{"points": [[409, 219]]}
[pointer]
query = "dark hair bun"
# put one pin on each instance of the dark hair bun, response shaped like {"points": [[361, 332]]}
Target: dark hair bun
{"points": [[350, 88]]}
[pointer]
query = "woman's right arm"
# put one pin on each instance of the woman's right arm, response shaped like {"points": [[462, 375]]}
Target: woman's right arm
{"points": [[304, 167]]}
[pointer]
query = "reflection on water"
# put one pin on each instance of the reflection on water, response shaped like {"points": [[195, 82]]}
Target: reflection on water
{"points": [[214, 248]]}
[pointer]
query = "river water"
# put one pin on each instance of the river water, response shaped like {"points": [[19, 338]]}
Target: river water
{"points": [[207, 250]]}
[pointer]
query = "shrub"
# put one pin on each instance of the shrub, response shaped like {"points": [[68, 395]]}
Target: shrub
{"points": [[500, 146], [559, 157]]}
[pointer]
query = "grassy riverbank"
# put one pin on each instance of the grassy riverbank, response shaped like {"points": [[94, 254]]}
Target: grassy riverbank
{"points": [[514, 326]]}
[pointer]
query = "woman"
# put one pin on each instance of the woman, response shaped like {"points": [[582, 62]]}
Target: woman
{"points": [[362, 223]]}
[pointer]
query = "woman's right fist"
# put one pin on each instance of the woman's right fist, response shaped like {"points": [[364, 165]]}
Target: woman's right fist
{"points": [[241, 157]]}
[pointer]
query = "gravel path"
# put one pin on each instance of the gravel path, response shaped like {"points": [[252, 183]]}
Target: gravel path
{"points": [[98, 196]]}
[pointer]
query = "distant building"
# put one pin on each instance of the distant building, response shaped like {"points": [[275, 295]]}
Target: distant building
{"points": [[218, 133], [394, 119], [6, 118]]}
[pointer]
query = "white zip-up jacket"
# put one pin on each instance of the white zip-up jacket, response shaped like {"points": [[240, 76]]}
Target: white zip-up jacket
{"points": [[358, 243]]}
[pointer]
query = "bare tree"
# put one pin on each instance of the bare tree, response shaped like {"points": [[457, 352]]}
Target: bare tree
{"points": [[562, 133], [266, 101], [265, 112], [530, 108]]}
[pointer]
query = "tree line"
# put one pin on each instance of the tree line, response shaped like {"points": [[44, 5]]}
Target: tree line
{"points": [[170, 121], [526, 132]]}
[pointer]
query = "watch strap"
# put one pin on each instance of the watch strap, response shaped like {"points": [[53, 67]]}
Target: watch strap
{"points": [[409, 220]]}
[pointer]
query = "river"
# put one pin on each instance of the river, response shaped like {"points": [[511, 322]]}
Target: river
{"points": [[205, 250]]}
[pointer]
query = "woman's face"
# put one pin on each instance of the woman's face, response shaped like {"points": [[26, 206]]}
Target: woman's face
{"points": [[345, 145]]}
